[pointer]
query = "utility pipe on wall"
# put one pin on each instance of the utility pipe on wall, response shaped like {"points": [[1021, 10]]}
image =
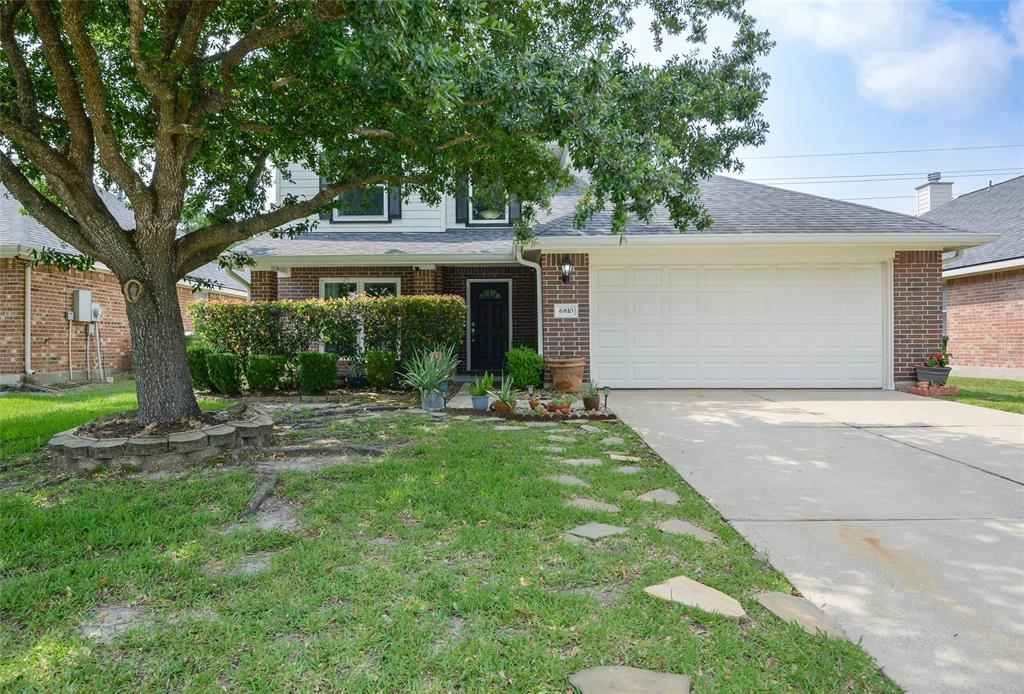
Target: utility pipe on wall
{"points": [[540, 304], [28, 319]]}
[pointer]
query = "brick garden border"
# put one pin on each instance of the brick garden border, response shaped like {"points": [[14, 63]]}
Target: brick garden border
{"points": [[79, 453]]}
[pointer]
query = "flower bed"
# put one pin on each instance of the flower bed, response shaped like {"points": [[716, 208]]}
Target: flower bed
{"points": [[527, 416]]}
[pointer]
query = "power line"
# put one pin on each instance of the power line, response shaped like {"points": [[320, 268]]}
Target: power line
{"points": [[880, 197], [954, 172], [789, 182], [881, 151]]}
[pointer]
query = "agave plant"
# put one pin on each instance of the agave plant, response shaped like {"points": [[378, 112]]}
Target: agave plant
{"points": [[429, 370], [482, 385], [506, 394]]}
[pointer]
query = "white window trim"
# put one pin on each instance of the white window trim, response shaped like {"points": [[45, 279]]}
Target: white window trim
{"points": [[469, 315], [360, 283], [338, 218], [476, 222]]}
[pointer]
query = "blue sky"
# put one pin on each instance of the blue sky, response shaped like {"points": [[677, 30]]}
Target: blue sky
{"points": [[886, 75]]}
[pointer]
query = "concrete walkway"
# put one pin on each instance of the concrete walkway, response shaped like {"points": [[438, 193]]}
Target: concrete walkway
{"points": [[902, 516]]}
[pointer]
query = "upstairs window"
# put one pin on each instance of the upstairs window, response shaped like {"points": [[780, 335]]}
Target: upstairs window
{"points": [[487, 206], [379, 203]]}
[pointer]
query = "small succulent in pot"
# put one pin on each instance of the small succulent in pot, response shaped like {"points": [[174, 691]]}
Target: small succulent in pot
{"points": [[562, 403], [480, 391], [591, 396], [505, 396]]}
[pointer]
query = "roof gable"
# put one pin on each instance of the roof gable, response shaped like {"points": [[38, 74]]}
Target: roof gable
{"points": [[997, 209]]}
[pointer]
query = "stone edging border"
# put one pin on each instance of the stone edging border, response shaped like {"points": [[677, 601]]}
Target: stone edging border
{"points": [[148, 453]]}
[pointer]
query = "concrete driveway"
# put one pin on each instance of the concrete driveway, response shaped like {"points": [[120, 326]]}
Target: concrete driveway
{"points": [[902, 516]]}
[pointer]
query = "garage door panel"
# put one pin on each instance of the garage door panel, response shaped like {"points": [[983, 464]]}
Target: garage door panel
{"points": [[794, 325]]}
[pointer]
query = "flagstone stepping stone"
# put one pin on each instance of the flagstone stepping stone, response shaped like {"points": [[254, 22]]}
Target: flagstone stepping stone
{"points": [[250, 564], [540, 424], [567, 480], [592, 505], [558, 438], [596, 531], [552, 449], [590, 428], [273, 514], [462, 417], [508, 427], [577, 462], [688, 592], [629, 469], [674, 526], [622, 458], [801, 612], [660, 496], [613, 440], [109, 622], [619, 679]]}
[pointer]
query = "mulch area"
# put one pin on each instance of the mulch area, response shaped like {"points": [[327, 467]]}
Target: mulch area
{"points": [[123, 425], [531, 417]]}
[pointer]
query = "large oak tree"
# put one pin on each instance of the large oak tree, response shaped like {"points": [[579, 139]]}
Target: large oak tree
{"points": [[184, 107]]}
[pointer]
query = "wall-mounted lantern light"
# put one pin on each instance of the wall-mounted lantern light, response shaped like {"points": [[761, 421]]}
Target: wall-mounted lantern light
{"points": [[567, 268]]}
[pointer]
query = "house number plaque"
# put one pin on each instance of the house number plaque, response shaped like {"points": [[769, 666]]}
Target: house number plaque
{"points": [[567, 310]]}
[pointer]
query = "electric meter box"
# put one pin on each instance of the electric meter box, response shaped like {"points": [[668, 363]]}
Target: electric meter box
{"points": [[81, 305]]}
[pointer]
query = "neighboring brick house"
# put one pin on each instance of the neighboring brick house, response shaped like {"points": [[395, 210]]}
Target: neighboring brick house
{"points": [[784, 290], [63, 349], [984, 286]]}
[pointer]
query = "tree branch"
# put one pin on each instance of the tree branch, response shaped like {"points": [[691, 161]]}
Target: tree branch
{"points": [[205, 244], [67, 86], [28, 108], [192, 28], [151, 80]]}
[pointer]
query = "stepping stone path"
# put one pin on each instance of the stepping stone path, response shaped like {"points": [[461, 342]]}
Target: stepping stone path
{"points": [[111, 621], [661, 496], [590, 428], [622, 458], [508, 427], [629, 469], [801, 612], [613, 441], [619, 679], [273, 514], [596, 531], [552, 449], [577, 462], [540, 424], [567, 480], [249, 565], [558, 438], [688, 592], [592, 505], [678, 527]]}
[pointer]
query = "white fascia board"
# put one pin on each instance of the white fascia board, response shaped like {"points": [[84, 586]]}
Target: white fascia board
{"points": [[984, 268], [279, 262], [938, 241]]}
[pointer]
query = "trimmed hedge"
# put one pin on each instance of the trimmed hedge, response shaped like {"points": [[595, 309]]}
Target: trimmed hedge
{"points": [[264, 372], [525, 366], [381, 367], [403, 324], [197, 353], [225, 372], [317, 371]]}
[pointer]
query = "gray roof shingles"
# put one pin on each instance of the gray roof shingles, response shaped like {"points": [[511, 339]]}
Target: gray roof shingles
{"points": [[998, 209], [20, 229], [476, 242]]}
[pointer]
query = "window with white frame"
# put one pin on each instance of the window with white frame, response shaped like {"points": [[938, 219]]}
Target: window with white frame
{"points": [[487, 206], [361, 205], [341, 287]]}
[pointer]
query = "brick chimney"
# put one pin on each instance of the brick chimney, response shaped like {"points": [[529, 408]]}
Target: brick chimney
{"points": [[934, 193]]}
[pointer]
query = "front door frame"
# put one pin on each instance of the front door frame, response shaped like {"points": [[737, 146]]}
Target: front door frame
{"points": [[469, 313]]}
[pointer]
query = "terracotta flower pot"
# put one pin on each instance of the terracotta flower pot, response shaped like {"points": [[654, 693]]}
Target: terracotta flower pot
{"points": [[534, 403], [567, 374], [561, 409], [591, 402], [502, 407]]}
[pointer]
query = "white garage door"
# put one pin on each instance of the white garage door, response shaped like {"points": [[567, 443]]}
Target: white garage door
{"points": [[704, 326]]}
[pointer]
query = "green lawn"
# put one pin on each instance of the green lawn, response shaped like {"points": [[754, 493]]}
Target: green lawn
{"points": [[29, 420], [439, 567], [990, 392]]}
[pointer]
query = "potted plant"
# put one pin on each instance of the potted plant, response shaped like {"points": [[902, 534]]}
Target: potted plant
{"points": [[591, 397], [480, 391], [505, 396], [428, 372], [567, 373], [935, 369], [562, 403]]}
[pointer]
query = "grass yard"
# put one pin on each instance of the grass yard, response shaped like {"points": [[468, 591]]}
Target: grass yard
{"points": [[29, 420], [996, 394], [438, 567]]}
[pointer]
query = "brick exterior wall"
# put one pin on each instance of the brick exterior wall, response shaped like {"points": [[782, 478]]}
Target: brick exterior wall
{"points": [[262, 285], [917, 310], [566, 336], [304, 282], [985, 319], [52, 292]]}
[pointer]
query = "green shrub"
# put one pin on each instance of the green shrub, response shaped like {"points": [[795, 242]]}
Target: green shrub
{"points": [[197, 353], [264, 372], [380, 368], [225, 372], [317, 371], [525, 366], [431, 322]]}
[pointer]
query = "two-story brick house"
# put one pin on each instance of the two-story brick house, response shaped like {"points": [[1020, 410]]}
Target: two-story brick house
{"points": [[784, 290]]}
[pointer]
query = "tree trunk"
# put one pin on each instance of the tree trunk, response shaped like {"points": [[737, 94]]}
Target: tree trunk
{"points": [[162, 378]]}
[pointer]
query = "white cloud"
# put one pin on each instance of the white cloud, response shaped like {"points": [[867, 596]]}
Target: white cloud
{"points": [[907, 55]]}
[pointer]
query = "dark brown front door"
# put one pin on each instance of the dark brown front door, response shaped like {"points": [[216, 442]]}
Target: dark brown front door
{"points": [[488, 325]]}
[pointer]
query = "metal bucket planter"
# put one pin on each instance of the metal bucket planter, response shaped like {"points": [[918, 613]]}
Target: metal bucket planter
{"points": [[432, 400], [481, 402], [936, 375]]}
